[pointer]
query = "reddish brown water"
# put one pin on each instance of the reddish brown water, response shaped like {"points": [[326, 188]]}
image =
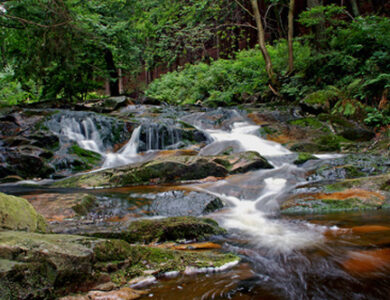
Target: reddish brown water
{"points": [[352, 263]]}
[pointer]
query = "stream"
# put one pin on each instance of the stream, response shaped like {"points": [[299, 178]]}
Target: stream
{"points": [[311, 256]]}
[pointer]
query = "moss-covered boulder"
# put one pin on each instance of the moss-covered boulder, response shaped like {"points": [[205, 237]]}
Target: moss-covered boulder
{"points": [[167, 229], [18, 214], [361, 193], [33, 265], [45, 266], [170, 169], [346, 200], [304, 157], [317, 102]]}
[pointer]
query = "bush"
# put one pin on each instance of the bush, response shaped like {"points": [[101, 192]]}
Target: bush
{"points": [[225, 82]]}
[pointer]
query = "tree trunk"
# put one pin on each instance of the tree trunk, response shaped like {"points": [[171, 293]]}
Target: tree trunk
{"points": [[291, 36], [355, 8], [319, 30], [114, 80], [261, 37]]}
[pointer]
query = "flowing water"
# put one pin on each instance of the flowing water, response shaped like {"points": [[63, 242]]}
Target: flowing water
{"points": [[305, 257], [284, 258]]}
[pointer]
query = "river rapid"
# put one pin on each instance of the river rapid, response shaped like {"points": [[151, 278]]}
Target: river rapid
{"points": [[342, 255]]}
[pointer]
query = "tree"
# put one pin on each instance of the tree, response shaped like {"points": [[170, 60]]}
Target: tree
{"points": [[291, 36], [261, 38]]}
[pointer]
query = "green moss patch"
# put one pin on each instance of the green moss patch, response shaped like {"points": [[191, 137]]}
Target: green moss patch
{"points": [[18, 214]]}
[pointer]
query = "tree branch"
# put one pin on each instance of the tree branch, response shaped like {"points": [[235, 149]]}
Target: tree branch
{"points": [[25, 21], [244, 8]]}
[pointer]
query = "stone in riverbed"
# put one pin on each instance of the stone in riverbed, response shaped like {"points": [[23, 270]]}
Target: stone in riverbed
{"points": [[170, 169], [167, 229], [348, 199], [17, 214], [179, 203], [45, 266]]}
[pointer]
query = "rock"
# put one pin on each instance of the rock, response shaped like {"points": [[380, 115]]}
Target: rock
{"points": [[304, 157], [10, 178], [317, 102], [349, 199], [170, 169], [167, 229], [57, 207], [358, 134], [35, 263], [305, 147], [121, 294], [105, 105], [26, 162], [17, 214], [178, 203]]}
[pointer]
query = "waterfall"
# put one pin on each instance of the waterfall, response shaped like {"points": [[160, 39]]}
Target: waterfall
{"points": [[127, 155], [84, 133]]}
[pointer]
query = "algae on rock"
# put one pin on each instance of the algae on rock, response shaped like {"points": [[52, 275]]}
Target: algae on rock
{"points": [[18, 214]]}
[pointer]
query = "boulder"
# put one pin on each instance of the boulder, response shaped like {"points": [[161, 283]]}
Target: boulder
{"points": [[32, 265], [45, 266], [170, 169], [178, 203], [167, 229], [18, 214]]}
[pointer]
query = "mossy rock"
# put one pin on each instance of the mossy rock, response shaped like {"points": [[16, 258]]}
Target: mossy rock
{"points": [[317, 102], [18, 214], [379, 182], [85, 204], [169, 170], [88, 158], [160, 261], [45, 266], [167, 229], [304, 157], [312, 123], [33, 265], [329, 206]]}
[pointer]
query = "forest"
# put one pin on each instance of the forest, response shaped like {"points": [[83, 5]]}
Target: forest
{"points": [[218, 53], [194, 149]]}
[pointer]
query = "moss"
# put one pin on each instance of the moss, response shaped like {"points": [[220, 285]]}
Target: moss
{"points": [[89, 158], [164, 260], [353, 172], [110, 250], [171, 229], [170, 169], [304, 157], [319, 97], [18, 214], [308, 122], [86, 203], [335, 120], [329, 206], [330, 142]]}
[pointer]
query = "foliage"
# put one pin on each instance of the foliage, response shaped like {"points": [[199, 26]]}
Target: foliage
{"points": [[225, 82], [377, 118]]}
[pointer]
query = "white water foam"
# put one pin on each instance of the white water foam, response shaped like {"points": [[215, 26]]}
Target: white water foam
{"points": [[249, 216], [128, 154], [244, 133], [85, 133]]}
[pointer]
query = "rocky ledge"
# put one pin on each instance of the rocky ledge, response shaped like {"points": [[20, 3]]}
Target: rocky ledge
{"points": [[173, 169]]}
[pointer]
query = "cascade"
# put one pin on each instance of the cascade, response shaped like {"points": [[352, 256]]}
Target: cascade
{"points": [[254, 198], [84, 133], [128, 154]]}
